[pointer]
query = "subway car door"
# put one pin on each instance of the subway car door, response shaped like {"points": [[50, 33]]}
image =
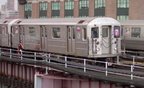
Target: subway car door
{"points": [[5, 36], [106, 40], [0, 34], [71, 40], [43, 31], [15, 36], [22, 34]]}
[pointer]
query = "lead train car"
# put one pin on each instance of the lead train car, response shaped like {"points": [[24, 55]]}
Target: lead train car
{"points": [[84, 37]]}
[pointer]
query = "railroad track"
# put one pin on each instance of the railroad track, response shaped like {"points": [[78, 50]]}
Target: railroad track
{"points": [[132, 58]]}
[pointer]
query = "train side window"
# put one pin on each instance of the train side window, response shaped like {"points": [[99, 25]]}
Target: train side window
{"points": [[32, 31], [73, 32], [15, 30], [56, 32], [21, 32], [94, 32], [69, 33], [0, 30], [84, 34], [42, 33], [4, 30], [135, 32], [45, 31]]}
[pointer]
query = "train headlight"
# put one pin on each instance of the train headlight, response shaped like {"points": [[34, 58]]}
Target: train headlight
{"points": [[115, 49], [98, 49]]}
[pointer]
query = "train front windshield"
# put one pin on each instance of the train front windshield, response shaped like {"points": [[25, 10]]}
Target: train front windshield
{"points": [[94, 32]]}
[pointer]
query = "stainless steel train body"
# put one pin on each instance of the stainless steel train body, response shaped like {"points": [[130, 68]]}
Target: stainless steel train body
{"points": [[85, 37], [133, 34]]}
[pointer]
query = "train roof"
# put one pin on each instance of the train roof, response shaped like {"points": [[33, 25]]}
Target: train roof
{"points": [[55, 21], [131, 22], [104, 21], [66, 21], [5, 21]]}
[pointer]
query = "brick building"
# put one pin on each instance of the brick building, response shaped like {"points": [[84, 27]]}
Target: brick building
{"points": [[10, 4], [118, 9]]}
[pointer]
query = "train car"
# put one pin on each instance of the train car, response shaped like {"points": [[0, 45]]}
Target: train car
{"points": [[133, 34], [83, 37], [5, 32]]}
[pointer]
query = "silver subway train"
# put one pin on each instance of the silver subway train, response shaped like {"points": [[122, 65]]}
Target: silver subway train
{"points": [[133, 34], [83, 37]]}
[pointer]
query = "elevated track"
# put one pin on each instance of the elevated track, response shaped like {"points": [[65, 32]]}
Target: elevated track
{"points": [[120, 73]]}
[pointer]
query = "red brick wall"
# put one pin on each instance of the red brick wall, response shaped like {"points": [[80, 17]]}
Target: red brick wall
{"points": [[49, 10], [76, 8], [62, 9], [111, 7], [91, 8], [35, 10], [140, 9], [21, 11], [136, 9]]}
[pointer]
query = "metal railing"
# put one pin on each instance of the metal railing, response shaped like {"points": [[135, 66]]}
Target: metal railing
{"points": [[78, 63]]}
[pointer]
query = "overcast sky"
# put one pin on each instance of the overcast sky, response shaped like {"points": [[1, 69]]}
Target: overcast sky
{"points": [[2, 2]]}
